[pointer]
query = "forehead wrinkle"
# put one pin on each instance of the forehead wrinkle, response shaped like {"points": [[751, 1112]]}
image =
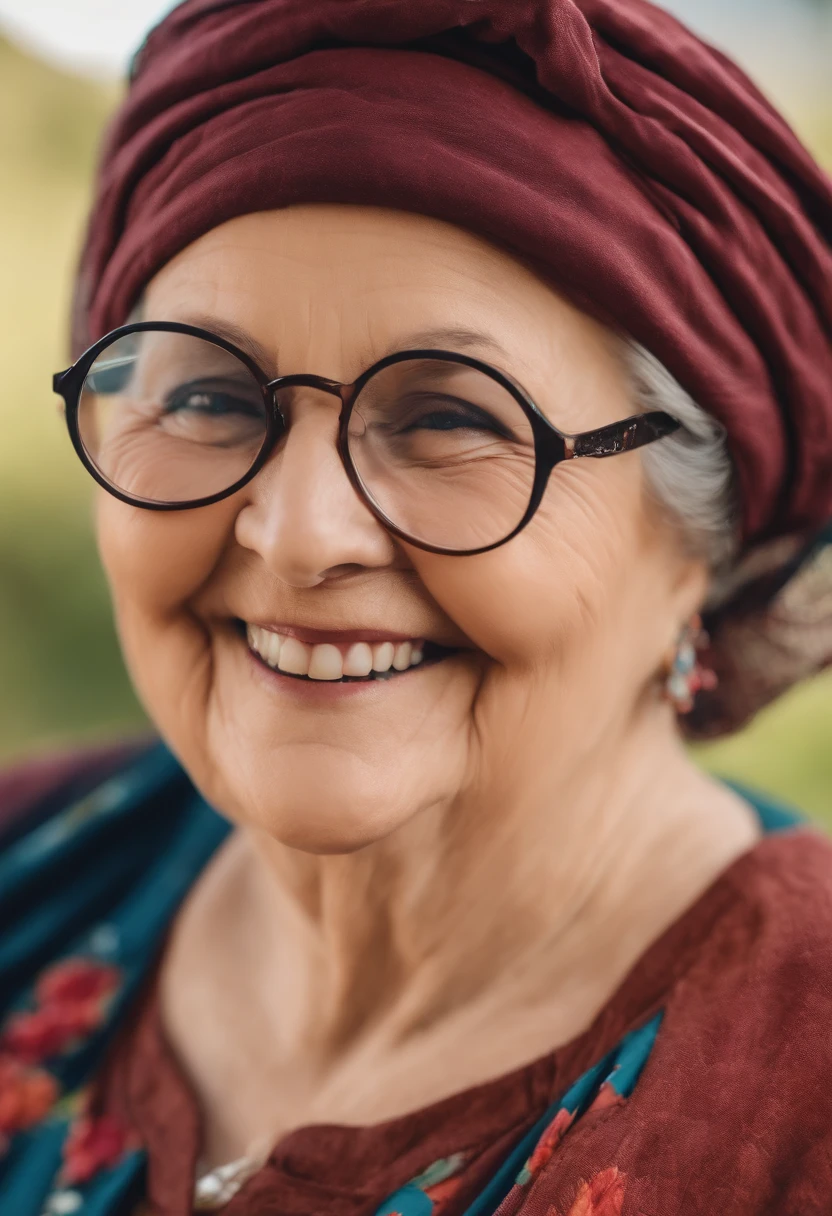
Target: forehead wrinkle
{"points": [[453, 338]]}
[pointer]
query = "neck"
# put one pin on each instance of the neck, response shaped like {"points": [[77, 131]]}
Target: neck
{"points": [[537, 897], [477, 938]]}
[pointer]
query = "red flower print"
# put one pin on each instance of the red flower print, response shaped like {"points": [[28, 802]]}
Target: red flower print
{"points": [[94, 1143], [549, 1141], [72, 997], [33, 1037], [443, 1192], [76, 980], [26, 1094], [607, 1095], [603, 1195]]}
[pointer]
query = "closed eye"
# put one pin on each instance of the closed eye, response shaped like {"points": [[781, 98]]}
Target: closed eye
{"points": [[212, 400], [443, 412]]}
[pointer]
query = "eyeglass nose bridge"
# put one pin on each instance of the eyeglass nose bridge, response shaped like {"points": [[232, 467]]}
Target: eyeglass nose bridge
{"points": [[305, 380]]}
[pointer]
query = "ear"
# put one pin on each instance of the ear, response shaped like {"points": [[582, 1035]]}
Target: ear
{"points": [[688, 591]]}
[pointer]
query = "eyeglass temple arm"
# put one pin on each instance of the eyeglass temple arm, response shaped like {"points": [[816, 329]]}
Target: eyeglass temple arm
{"points": [[621, 436]]}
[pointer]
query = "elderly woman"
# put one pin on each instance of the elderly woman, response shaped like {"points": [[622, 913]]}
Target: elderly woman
{"points": [[442, 365]]}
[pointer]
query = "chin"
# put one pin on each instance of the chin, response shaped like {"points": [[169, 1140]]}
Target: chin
{"points": [[325, 808], [341, 827]]}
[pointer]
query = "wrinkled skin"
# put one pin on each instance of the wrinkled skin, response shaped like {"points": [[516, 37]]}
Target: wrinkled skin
{"points": [[406, 839], [543, 618]]}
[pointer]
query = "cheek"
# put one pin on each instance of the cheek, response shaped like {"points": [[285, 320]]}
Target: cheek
{"points": [[155, 563], [158, 559], [562, 612], [564, 578]]}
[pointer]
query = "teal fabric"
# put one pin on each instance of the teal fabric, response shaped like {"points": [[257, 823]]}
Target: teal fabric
{"points": [[621, 1068], [409, 1201], [100, 881], [773, 816]]}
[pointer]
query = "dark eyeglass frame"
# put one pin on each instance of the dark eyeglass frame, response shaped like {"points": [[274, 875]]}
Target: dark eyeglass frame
{"points": [[551, 446]]}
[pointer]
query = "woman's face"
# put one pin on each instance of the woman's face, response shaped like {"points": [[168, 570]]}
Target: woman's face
{"points": [[552, 641]]}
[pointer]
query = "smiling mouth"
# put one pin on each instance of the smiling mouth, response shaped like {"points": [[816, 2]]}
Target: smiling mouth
{"points": [[348, 663]]}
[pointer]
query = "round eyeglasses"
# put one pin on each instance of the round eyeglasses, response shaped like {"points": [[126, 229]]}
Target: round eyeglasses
{"points": [[449, 453]]}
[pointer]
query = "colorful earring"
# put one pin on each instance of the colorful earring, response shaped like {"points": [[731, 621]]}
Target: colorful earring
{"points": [[688, 675]]}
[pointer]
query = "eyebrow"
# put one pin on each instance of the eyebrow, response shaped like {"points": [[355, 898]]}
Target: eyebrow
{"points": [[449, 338], [237, 336], [456, 338]]}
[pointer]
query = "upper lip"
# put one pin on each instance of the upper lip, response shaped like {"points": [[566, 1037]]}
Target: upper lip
{"points": [[314, 637]]}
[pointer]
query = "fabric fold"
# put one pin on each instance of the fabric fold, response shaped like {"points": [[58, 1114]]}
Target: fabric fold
{"points": [[635, 168]]}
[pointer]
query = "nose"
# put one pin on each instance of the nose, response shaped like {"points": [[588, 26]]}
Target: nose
{"points": [[302, 515]]}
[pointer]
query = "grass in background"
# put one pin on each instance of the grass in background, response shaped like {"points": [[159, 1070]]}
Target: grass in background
{"points": [[786, 751], [61, 677]]}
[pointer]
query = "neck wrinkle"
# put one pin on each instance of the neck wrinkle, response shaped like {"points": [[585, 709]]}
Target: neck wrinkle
{"points": [[489, 903]]}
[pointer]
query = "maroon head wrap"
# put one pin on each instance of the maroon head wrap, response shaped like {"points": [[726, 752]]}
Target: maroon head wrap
{"points": [[635, 167]]}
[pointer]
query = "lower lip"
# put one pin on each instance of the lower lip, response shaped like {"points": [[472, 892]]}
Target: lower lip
{"points": [[327, 690]]}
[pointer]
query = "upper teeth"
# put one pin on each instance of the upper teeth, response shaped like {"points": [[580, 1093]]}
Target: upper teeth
{"points": [[327, 662]]}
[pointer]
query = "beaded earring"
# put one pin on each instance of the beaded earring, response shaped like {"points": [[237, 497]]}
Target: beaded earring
{"points": [[688, 675]]}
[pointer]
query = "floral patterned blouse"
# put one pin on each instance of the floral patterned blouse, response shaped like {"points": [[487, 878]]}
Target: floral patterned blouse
{"points": [[703, 1086]]}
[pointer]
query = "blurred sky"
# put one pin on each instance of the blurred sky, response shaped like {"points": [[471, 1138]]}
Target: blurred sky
{"points": [[787, 43], [88, 35]]}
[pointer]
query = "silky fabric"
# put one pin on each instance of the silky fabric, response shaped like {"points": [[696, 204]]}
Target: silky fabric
{"points": [[633, 166]]}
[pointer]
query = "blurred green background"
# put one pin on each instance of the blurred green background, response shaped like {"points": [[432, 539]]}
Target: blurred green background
{"points": [[61, 677]]}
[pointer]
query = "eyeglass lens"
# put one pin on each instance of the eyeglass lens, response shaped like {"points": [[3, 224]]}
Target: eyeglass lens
{"points": [[443, 451], [168, 417]]}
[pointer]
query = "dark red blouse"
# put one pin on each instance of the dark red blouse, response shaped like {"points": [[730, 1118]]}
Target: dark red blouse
{"points": [[732, 1115]]}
